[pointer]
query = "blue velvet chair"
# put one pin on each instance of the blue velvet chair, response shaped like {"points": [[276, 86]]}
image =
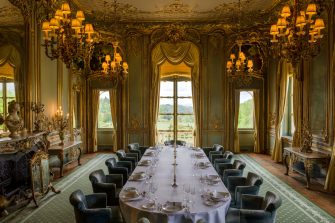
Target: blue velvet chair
{"points": [[243, 185], [255, 209], [110, 184], [217, 152], [222, 158], [136, 148], [230, 169], [215, 147], [121, 167], [132, 157], [93, 208]]}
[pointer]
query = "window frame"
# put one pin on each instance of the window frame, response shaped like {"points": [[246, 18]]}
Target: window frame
{"points": [[101, 91], [175, 131], [253, 110]]}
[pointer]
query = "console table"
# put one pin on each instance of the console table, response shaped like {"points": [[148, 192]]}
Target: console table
{"points": [[63, 154], [293, 154]]}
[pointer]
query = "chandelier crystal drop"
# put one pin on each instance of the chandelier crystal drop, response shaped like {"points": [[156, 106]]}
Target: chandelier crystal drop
{"points": [[66, 36]]}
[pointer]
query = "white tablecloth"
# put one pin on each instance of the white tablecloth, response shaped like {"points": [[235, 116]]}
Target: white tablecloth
{"points": [[132, 210]]}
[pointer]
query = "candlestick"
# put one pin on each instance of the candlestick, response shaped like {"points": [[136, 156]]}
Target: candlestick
{"points": [[174, 184]]}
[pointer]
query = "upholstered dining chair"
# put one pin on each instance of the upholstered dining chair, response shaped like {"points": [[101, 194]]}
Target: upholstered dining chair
{"points": [[121, 167], [132, 157], [110, 184], [226, 157], [255, 209], [136, 148], [243, 185], [93, 208], [209, 149], [217, 152], [178, 143], [230, 169]]}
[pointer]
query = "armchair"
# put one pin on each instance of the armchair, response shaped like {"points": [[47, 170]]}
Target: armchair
{"points": [[178, 143], [92, 208], [255, 209], [213, 148], [243, 185], [227, 169], [221, 158], [108, 184], [132, 157], [216, 152], [136, 148], [122, 167]]}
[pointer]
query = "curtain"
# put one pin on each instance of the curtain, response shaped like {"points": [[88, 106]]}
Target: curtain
{"points": [[281, 101], [10, 54], [297, 103], [237, 110], [174, 54], [257, 146], [113, 104], [95, 112]]}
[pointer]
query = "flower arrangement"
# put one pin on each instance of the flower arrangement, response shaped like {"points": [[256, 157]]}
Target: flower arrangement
{"points": [[60, 123]]}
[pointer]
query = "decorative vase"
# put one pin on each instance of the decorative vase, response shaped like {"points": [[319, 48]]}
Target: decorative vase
{"points": [[61, 137]]}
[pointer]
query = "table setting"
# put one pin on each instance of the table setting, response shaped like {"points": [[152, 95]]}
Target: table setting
{"points": [[174, 183]]}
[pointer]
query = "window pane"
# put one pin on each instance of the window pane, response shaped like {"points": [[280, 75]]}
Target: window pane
{"points": [[185, 106], [166, 89], [165, 122], [246, 112], [185, 122], [105, 116], [184, 89], [166, 105], [10, 90], [1, 107], [164, 136], [1, 89], [186, 136]]}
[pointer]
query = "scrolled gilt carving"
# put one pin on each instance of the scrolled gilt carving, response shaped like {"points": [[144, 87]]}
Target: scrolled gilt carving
{"points": [[135, 122]]}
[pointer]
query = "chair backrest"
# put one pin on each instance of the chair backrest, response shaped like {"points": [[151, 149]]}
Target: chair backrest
{"points": [[239, 165], [217, 147], [178, 142], [110, 162], [97, 176], [78, 200], [254, 179], [271, 202], [121, 154], [133, 146], [228, 155]]}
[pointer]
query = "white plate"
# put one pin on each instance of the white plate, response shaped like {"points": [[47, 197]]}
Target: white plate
{"points": [[131, 195], [172, 206], [128, 189], [210, 202], [219, 196], [213, 178], [148, 154], [149, 206], [144, 163]]}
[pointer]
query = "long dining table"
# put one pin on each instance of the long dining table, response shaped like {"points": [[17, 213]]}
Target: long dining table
{"points": [[157, 170]]}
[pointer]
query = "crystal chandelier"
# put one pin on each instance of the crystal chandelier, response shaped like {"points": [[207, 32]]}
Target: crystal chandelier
{"points": [[297, 35], [114, 65], [66, 36]]}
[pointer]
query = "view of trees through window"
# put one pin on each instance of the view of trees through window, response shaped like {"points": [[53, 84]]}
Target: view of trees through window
{"points": [[176, 116], [104, 116], [246, 112], [7, 94]]}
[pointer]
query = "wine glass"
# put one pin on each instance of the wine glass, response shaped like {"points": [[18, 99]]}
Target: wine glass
{"points": [[153, 188]]}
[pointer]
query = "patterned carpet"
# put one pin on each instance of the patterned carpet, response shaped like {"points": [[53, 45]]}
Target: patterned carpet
{"points": [[56, 208]]}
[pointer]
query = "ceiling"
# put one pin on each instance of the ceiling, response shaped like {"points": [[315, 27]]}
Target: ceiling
{"points": [[9, 14], [171, 10]]}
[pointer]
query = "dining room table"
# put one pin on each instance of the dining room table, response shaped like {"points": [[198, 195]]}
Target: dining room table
{"points": [[174, 184]]}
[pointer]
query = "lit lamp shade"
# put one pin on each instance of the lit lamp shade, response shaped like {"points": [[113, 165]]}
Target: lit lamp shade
{"points": [[75, 24], [80, 15], [281, 23], [54, 24], [232, 56], [311, 9], [125, 66], [274, 30], [301, 21], [250, 64], [66, 8], [89, 28], [108, 58], [286, 11], [104, 66], [118, 58], [238, 63], [229, 64], [241, 56], [319, 24], [46, 26], [59, 14], [113, 65]]}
